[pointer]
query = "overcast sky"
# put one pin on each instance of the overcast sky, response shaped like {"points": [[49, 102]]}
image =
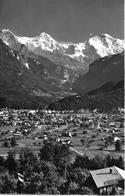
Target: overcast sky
{"points": [[64, 20]]}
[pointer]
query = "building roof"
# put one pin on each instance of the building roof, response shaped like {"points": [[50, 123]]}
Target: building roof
{"points": [[107, 176], [121, 172]]}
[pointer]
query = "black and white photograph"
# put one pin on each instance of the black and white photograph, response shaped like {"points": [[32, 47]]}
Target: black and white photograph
{"points": [[62, 97]]}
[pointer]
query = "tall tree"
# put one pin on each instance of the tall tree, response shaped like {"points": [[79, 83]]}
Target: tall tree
{"points": [[8, 183], [47, 152], [56, 153], [28, 162], [11, 163]]}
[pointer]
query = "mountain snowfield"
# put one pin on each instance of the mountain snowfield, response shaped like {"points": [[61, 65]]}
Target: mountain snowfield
{"points": [[74, 56]]}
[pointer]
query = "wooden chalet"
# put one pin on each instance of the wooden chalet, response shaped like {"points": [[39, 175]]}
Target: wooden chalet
{"points": [[107, 178]]}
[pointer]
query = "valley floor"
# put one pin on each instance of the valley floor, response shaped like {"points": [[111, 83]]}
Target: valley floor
{"points": [[84, 133]]}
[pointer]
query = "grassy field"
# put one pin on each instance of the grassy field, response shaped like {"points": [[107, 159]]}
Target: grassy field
{"points": [[93, 142]]}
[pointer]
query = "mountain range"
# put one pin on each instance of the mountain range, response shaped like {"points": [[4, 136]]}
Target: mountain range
{"points": [[73, 58], [40, 70]]}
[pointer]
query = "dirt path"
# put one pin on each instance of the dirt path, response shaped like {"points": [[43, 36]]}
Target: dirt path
{"points": [[79, 153]]}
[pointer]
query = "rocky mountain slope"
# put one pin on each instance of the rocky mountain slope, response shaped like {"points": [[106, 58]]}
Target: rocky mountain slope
{"points": [[107, 87], [102, 87], [107, 69], [24, 82]]}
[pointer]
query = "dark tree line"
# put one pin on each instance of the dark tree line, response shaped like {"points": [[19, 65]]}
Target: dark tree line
{"points": [[23, 102], [51, 171], [106, 102]]}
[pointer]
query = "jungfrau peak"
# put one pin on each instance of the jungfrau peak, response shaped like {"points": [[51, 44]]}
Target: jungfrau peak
{"points": [[74, 56], [106, 45]]}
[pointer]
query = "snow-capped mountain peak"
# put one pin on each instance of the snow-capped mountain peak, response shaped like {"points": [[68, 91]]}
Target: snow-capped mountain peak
{"points": [[74, 56], [46, 42], [45, 36], [6, 35], [106, 45], [6, 32]]}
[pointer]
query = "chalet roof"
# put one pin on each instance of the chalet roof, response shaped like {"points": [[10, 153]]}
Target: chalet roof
{"points": [[121, 172], [107, 176]]}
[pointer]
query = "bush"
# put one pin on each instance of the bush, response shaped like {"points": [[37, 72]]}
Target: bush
{"points": [[85, 191], [2, 161], [82, 141], [84, 132], [6, 143], [13, 142], [118, 145], [74, 130], [74, 134]]}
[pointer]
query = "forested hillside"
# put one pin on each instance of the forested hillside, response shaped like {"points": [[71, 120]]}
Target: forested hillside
{"points": [[101, 99]]}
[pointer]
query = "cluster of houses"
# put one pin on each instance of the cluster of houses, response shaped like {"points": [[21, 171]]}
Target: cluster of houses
{"points": [[27, 122]]}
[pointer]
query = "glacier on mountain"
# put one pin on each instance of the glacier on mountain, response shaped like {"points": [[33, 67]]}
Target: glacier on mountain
{"points": [[73, 55]]}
